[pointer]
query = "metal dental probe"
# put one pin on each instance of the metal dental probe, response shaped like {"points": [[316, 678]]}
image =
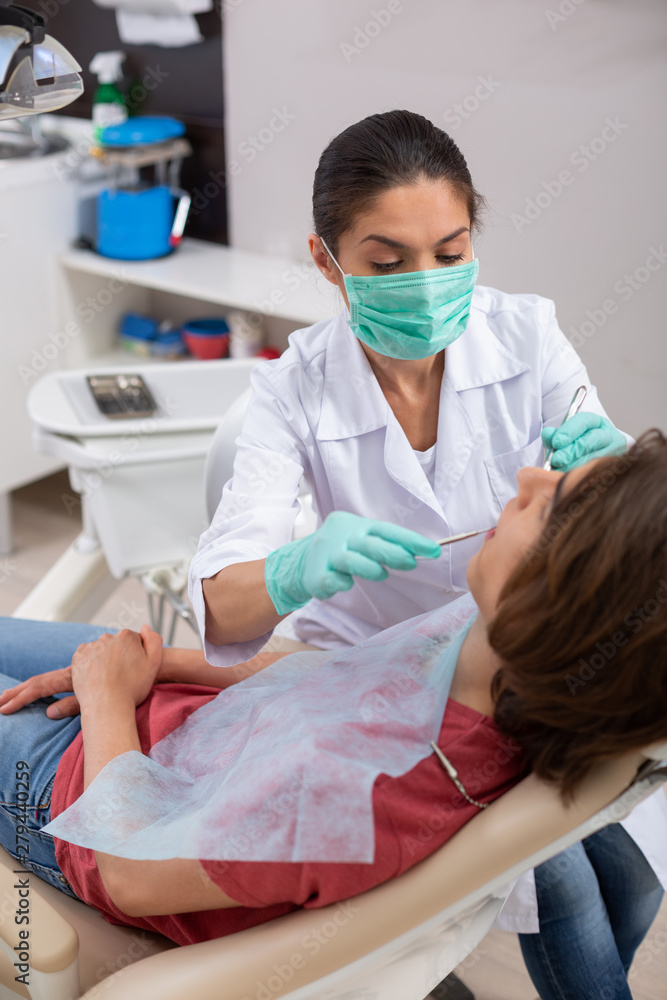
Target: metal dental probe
{"points": [[466, 534], [577, 400]]}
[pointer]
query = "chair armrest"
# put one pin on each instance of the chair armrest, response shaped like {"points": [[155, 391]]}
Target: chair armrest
{"points": [[52, 944], [487, 853]]}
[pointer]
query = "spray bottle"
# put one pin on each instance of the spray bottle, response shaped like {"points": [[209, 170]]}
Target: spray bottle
{"points": [[109, 106]]}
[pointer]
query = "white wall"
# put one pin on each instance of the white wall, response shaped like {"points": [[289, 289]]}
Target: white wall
{"points": [[556, 72]]}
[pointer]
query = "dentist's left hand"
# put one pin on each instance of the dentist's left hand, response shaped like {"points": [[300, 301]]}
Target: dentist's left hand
{"points": [[580, 439]]}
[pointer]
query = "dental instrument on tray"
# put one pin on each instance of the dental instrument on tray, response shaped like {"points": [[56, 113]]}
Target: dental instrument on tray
{"points": [[466, 534], [577, 400]]}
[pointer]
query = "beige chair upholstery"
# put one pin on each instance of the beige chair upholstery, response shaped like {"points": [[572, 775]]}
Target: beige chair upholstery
{"points": [[395, 942]]}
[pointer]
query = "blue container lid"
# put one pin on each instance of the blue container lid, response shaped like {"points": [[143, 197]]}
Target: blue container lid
{"points": [[142, 130], [212, 327], [138, 327]]}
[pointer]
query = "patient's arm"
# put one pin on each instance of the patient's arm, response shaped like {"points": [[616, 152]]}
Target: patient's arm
{"points": [[189, 666], [186, 666], [157, 888], [140, 888], [111, 677]]}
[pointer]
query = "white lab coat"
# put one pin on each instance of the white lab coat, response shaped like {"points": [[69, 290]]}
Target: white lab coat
{"points": [[319, 413]]}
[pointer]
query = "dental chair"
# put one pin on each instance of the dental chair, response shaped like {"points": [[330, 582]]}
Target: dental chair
{"points": [[140, 483], [137, 481], [220, 465], [395, 942]]}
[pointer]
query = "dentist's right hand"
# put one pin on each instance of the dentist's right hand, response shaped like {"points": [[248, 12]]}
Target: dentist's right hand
{"points": [[345, 546]]}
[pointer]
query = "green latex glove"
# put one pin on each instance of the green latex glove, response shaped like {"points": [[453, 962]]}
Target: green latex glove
{"points": [[581, 438], [344, 547]]}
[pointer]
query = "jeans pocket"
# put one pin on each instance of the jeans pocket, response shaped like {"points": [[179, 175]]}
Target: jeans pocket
{"points": [[43, 808], [35, 812], [52, 876]]}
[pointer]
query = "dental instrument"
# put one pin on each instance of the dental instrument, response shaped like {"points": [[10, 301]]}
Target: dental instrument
{"points": [[465, 534], [575, 405]]}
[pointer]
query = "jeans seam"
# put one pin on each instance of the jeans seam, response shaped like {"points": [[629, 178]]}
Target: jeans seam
{"points": [[548, 968]]}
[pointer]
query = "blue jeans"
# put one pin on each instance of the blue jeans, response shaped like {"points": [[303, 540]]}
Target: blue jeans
{"points": [[596, 901], [31, 744]]}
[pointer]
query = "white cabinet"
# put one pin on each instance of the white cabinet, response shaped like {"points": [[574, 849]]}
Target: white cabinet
{"points": [[200, 279], [37, 222]]}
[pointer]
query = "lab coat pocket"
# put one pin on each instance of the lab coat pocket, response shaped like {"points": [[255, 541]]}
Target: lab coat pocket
{"points": [[502, 469]]}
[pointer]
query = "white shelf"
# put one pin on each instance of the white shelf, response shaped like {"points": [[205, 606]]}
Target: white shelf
{"points": [[222, 276]]}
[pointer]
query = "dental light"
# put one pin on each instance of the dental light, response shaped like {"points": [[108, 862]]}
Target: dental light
{"points": [[37, 74]]}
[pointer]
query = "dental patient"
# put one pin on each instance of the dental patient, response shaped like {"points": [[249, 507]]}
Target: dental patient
{"points": [[197, 801]]}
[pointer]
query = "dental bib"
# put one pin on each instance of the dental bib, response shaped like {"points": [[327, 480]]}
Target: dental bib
{"points": [[281, 766]]}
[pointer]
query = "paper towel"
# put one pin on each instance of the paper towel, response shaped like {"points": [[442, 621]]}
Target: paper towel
{"points": [[169, 23], [168, 30], [158, 6]]}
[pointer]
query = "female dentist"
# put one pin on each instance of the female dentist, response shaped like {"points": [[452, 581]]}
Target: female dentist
{"points": [[409, 415]]}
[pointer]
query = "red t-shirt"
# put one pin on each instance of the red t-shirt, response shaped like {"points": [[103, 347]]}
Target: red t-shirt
{"points": [[414, 814]]}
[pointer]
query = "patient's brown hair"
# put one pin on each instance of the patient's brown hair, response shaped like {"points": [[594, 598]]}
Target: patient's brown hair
{"points": [[581, 626]]}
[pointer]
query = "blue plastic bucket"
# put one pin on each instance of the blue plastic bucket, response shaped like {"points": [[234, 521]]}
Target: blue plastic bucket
{"points": [[135, 224]]}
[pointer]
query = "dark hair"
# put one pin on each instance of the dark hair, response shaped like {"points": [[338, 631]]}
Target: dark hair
{"points": [[581, 626], [378, 153]]}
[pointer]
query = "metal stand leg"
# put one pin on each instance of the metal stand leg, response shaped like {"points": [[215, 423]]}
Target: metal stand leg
{"points": [[165, 586]]}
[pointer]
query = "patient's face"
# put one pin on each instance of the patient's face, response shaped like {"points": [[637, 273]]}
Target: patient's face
{"points": [[518, 528]]}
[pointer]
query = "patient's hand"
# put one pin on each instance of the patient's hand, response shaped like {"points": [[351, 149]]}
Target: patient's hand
{"points": [[57, 682], [123, 665], [42, 686], [186, 666]]}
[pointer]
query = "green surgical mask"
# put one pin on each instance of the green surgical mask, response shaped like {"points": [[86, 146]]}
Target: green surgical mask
{"points": [[413, 315]]}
